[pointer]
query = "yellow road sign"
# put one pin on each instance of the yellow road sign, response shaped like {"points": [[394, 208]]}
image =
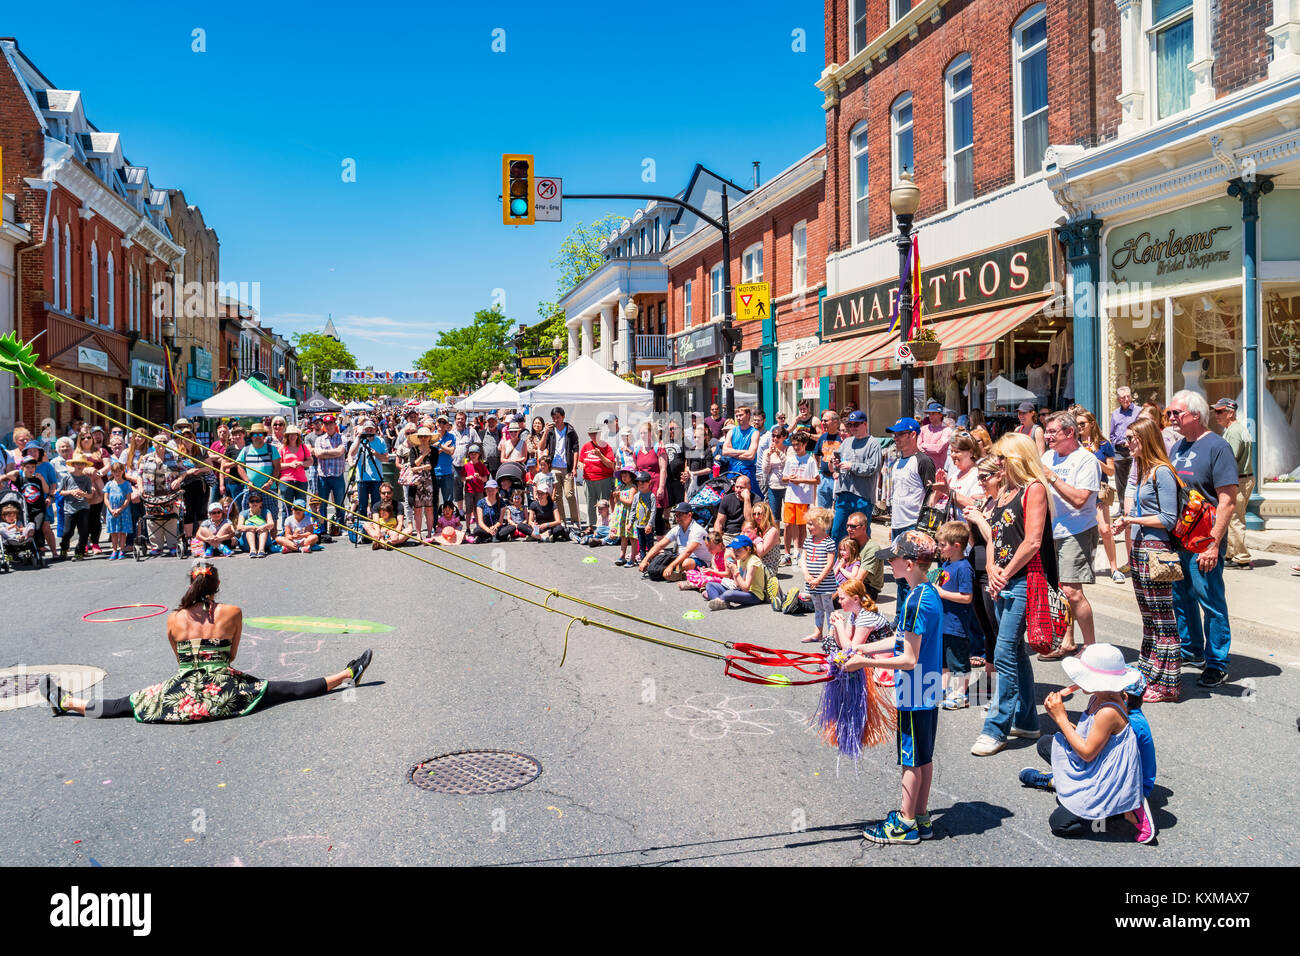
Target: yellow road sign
{"points": [[753, 301]]}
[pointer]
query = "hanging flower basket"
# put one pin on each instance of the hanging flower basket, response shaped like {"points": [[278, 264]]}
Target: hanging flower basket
{"points": [[924, 350]]}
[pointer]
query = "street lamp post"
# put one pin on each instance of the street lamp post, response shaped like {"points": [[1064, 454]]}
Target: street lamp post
{"points": [[904, 197]]}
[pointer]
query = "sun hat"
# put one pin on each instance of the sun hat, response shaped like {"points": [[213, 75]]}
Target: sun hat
{"points": [[1099, 667], [1138, 687], [424, 431], [293, 430], [593, 428], [257, 429], [78, 459], [514, 427]]}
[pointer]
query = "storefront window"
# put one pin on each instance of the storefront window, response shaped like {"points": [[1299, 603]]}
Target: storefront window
{"points": [[1279, 412], [1138, 356]]}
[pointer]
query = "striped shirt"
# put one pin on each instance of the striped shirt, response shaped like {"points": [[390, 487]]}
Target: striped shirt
{"points": [[816, 556], [330, 467]]}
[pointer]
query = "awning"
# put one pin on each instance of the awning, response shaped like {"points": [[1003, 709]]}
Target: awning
{"points": [[682, 374], [841, 357], [970, 338]]}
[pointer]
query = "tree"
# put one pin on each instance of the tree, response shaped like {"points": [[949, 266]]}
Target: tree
{"points": [[579, 256], [325, 353], [463, 356]]}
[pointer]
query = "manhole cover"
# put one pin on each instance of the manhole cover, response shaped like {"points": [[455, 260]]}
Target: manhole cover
{"points": [[16, 685], [476, 772]]}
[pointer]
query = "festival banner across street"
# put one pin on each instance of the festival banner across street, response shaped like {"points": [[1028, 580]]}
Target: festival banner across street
{"points": [[349, 376]]}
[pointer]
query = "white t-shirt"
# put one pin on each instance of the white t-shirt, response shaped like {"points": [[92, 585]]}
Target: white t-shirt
{"points": [[690, 542], [306, 525], [796, 467], [909, 492], [1079, 469]]}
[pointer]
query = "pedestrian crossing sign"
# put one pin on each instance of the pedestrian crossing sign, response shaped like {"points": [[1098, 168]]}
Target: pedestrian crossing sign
{"points": [[753, 301]]}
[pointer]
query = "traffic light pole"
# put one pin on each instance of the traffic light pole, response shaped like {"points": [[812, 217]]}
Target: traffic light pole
{"points": [[723, 226]]}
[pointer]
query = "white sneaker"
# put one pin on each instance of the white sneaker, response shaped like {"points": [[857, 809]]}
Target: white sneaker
{"points": [[717, 604], [986, 746]]}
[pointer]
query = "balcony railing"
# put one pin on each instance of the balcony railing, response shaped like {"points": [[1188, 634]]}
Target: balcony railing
{"points": [[652, 347]]}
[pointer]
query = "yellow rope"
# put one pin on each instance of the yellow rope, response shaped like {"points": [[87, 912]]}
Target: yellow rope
{"points": [[552, 592]]}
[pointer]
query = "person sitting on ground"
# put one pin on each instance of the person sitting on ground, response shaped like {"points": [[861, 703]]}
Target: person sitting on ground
{"points": [[545, 518], [514, 515], [746, 581], [450, 528], [846, 563], [204, 635], [489, 515], [216, 534], [859, 621], [299, 531], [716, 568], [255, 527], [600, 534], [1097, 767], [386, 527], [688, 538]]}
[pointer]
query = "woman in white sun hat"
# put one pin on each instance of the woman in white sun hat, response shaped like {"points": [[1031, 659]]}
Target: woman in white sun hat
{"points": [[1096, 766]]}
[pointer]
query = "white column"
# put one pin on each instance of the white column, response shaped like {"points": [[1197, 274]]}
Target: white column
{"points": [[587, 335], [1132, 84], [607, 337], [573, 342], [1285, 32], [625, 339], [1202, 65]]}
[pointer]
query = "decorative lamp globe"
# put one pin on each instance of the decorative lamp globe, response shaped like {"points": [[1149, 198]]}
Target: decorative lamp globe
{"points": [[904, 197]]}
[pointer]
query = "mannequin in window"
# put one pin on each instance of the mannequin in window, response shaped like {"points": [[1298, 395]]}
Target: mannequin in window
{"points": [[1193, 369], [1039, 381]]}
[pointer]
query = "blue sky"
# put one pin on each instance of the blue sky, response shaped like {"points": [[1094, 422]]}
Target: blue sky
{"points": [[256, 130]]}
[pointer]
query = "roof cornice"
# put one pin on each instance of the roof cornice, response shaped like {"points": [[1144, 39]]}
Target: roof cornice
{"points": [[835, 77]]}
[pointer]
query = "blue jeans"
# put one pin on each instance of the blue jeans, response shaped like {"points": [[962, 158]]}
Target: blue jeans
{"points": [[826, 492], [1202, 591], [715, 590], [776, 501], [444, 490], [367, 495], [1014, 698], [332, 487], [845, 505], [894, 535]]}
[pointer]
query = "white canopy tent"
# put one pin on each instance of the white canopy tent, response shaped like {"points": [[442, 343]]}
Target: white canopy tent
{"points": [[1003, 391], [490, 398], [241, 400], [355, 406], [587, 393]]}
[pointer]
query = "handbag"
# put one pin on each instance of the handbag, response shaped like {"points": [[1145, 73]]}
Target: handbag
{"points": [[1163, 565], [1047, 612], [931, 519]]}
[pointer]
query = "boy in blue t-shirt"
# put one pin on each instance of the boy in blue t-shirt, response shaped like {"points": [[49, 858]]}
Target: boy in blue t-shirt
{"points": [[956, 586], [917, 644]]}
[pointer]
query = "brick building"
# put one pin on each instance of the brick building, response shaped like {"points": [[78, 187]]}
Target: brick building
{"points": [[966, 96], [778, 237], [1181, 218], [99, 244], [195, 342]]}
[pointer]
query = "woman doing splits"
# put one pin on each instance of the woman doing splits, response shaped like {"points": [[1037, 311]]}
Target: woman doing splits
{"points": [[204, 636]]}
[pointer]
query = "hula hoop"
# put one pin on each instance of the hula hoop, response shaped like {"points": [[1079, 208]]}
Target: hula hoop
{"points": [[162, 609]]}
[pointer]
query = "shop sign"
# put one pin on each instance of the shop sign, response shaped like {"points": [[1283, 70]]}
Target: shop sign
{"points": [[92, 358], [996, 277], [744, 362], [202, 364], [794, 349], [698, 345], [536, 364], [146, 375], [1201, 243]]}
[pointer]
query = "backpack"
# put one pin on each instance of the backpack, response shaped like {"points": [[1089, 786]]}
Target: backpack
{"points": [[655, 569], [1194, 529]]}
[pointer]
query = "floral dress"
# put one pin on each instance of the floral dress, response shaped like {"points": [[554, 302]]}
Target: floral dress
{"points": [[422, 490], [205, 688], [622, 517]]}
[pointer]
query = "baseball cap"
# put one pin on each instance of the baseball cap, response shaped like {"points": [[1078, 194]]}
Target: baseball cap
{"points": [[330, 419], [934, 406], [1225, 404], [905, 425], [682, 508], [216, 506], [29, 460], [641, 476], [300, 505], [857, 417], [491, 483], [741, 541], [914, 545], [1025, 407]]}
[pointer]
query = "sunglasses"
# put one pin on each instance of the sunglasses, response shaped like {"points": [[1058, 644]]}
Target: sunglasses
{"points": [[986, 475]]}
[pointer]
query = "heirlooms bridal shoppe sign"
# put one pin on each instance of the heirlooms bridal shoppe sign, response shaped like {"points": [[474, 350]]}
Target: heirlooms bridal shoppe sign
{"points": [[1201, 243]]}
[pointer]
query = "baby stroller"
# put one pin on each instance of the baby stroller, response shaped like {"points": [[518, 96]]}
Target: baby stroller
{"points": [[27, 551], [705, 501]]}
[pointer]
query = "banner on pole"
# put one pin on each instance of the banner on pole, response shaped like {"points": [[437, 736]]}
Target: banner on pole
{"points": [[349, 376]]}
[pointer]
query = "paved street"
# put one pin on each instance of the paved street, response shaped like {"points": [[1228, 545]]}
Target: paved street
{"points": [[650, 756]]}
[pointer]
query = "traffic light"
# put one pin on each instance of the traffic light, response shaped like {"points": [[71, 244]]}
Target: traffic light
{"points": [[517, 189]]}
